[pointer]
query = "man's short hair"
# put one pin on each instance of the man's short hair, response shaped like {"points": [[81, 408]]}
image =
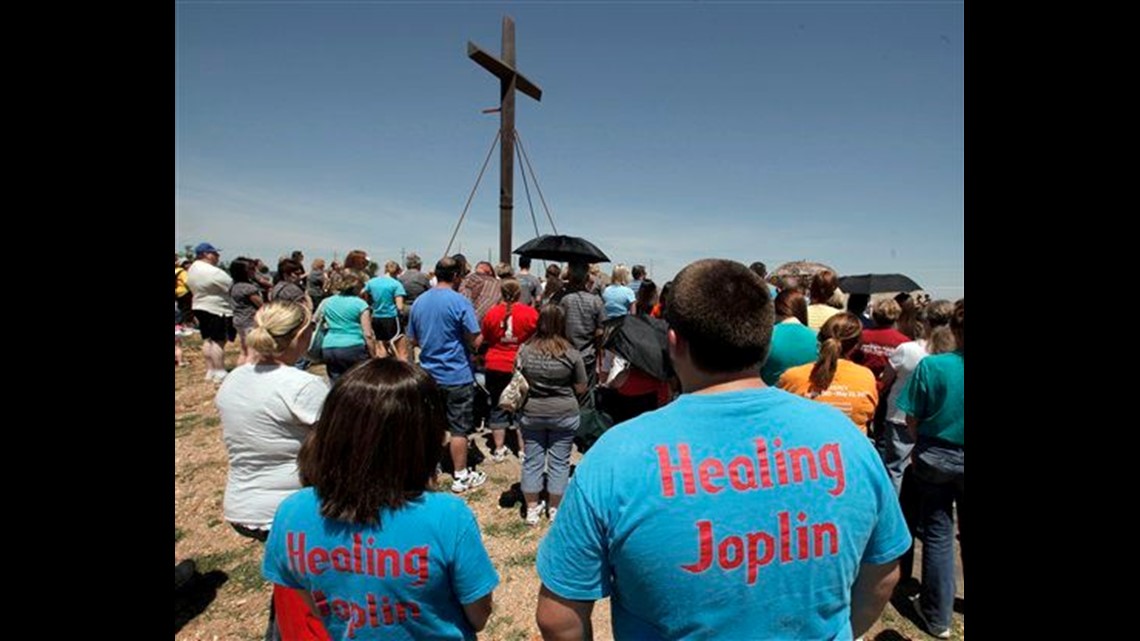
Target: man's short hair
{"points": [[638, 272], [412, 261], [524, 262], [446, 270], [760, 268], [724, 312]]}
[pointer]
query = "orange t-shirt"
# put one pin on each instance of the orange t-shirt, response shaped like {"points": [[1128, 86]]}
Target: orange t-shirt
{"points": [[852, 391]]}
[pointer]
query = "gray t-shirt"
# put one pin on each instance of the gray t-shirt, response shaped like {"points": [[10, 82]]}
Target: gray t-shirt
{"points": [[287, 291], [585, 315], [551, 382], [531, 288], [415, 283], [244, 309]]}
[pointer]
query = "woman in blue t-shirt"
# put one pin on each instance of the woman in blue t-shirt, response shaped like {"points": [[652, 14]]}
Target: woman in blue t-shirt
{"points": [[371, 549], [350, 338]]}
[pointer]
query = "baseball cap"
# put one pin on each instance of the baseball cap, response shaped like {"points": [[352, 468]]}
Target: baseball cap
{"points": [[206, 248]]}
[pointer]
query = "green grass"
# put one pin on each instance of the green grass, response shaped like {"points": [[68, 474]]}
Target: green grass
{"points": [[247, 576], [213, 421], [477, 495], [183, 425], [511, 529], [521, 560], [179, 534]]}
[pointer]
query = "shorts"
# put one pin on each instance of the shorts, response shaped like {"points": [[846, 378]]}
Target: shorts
{"points": [[386, 328], [460, 409], [219, 329]]}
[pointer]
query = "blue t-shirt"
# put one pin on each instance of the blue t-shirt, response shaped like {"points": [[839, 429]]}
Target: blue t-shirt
{"points": [[342, 313], [738, 515], [792, 344], [936, 395], [384, 290], [618, 298], [407, 578], [440, 321]]}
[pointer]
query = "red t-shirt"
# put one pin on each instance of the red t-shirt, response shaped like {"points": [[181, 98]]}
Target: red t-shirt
{"points": [[501, 349], [876, 348]]}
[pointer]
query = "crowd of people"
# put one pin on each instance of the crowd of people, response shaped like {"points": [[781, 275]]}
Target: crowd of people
{"points": [[741, 427]]}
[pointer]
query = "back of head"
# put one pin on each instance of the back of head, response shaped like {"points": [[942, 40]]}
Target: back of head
{"points": [[857, 303], [823, 285], [504, 270], [298, 256], [579, 273], [277, 325], [935, 318], [356, 259], [484, 268], [461, 262], [413, 261], [638, 272], [791, 303], [377, 441], [838, 338], [620, 275], [318, 264], [446, 270], [958, 323], [553, 271], [760, 268], [241, 270], [885, 312], [510, 290], [392, 268], [288, 267], [724, 312], [550, 334], [347, 282], [646, 296], [524, 262]]}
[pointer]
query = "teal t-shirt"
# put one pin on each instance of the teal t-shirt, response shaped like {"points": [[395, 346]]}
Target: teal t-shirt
{"points": [[384, 290], [342, 313], [793, 345], [407, 578], [738, 515], [936, 396]]}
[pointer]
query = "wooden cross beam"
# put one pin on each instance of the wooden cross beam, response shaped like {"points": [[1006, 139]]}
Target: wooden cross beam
{"points": [[509, 80]]}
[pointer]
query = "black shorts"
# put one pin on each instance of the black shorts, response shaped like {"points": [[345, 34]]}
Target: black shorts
{"points": [[460, 409], [386, 328], [219, 329]]}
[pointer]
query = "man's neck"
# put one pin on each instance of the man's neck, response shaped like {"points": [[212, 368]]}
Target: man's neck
{"points": [[444, 285], [719, 383]]}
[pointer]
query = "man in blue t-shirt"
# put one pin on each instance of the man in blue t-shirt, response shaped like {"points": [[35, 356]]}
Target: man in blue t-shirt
{"points": [[442, 323], [737, 511]]}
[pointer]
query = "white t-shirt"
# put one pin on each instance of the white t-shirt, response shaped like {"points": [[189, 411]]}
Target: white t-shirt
{"points": [[904, 359], [267, 411], [211, 288]]}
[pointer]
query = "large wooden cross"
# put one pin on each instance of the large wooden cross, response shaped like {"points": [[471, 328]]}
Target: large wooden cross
{"points": [[509, 80]]}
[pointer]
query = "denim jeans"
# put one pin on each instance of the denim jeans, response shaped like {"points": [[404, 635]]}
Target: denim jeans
{"points": [[496, 383], [939, 468], [548, 444], [895, 445]]}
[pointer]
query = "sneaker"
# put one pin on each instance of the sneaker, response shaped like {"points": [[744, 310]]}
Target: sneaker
{"points": [[499, 455], [473, 478], [534, 514], [916, 601], [219, 376], [550, 513]]}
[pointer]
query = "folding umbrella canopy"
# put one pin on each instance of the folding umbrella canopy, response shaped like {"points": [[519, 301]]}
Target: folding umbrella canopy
{"points": [[562, 248], [642, 342], [877, 283]]}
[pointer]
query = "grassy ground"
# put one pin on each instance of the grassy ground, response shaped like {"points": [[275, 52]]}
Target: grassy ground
{"points": [[232, 602]]}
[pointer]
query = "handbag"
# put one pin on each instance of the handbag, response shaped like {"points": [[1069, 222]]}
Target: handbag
{"points": [[316, 343], [514, 395]]}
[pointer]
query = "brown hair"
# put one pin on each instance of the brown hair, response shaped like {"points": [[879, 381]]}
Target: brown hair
{"points": [[885, 312], [391, 268], [377, 441], [347, 282], [288, 267], [958, 323], [550, 336], [823, 285], [356, 259], [936, 318], [839, 336], [790, 303], [725, 313], [510, 290]]}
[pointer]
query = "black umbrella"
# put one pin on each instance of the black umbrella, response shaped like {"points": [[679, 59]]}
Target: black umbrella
{"points": [[562, 248], [643, 342], [877, 283]]}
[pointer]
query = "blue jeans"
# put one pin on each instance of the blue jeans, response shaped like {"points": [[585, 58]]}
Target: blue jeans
{"points": [[548, 444], [339, 360], [939, 469], [895, 445]]}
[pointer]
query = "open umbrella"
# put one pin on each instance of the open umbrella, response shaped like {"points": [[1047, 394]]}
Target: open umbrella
{"points": [[562, 248], [643, 342], [877, 283]]}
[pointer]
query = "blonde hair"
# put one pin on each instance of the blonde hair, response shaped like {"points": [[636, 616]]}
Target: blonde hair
{"points": [[277, 326], [620, 275], [885, 312]]}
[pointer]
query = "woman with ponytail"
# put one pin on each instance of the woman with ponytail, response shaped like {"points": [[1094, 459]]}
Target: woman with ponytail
{"points": [[268, 408], [505, 326], [833, 378]]}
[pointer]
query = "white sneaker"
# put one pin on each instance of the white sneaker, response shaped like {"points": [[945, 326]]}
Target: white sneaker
{"points": [[534, 514], [219, 376], [916, 601], [473, 478]]}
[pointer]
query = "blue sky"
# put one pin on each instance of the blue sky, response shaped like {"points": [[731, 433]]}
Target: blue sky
{"points": [[667, 131]]}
